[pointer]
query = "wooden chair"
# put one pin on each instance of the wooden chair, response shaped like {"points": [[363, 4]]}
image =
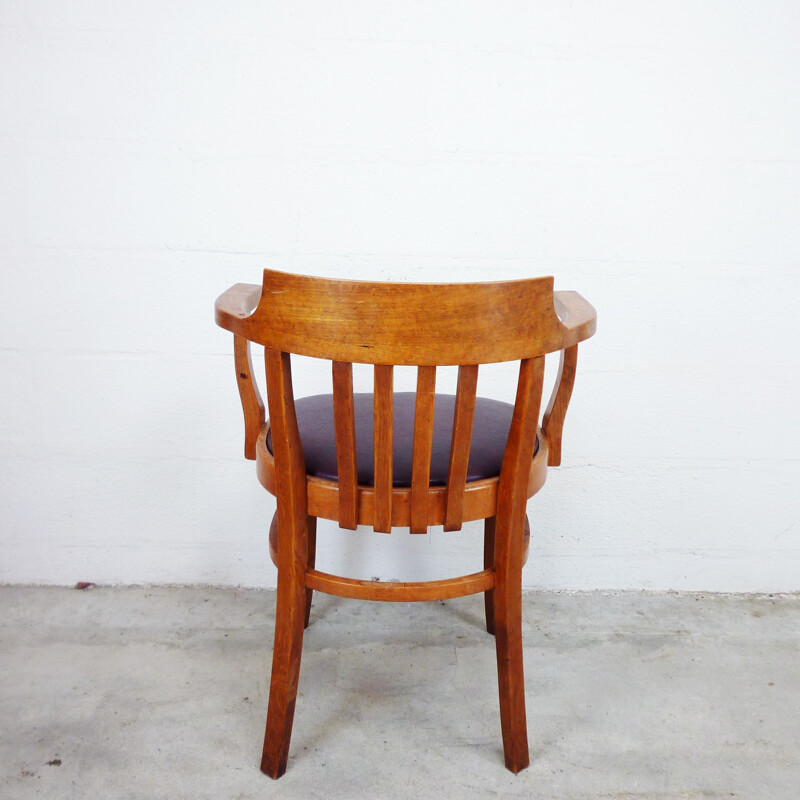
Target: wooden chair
{"points": [[343, 457]]}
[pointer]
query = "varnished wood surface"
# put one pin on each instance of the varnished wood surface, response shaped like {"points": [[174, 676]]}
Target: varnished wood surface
{"points": [[510, 519], [290, 611], [409, 324], [312, 546], [422, 325], [344, 320], [345, 434], [479, 502], [252, 404], [383, 427], [488, 563], [422, 448], [235, 304], [401, 592], [311, 533], [460, 443], [577, 315], [554, 415]]}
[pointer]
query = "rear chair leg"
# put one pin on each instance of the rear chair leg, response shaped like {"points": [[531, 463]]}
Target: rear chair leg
{"points": [[290, 620], [508, 642]]}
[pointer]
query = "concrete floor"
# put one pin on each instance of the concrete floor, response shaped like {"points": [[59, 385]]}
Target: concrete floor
{"points": [[161, 693]]}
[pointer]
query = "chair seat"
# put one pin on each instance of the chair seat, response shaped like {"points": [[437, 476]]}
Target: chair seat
{"points": [[489, 434]]}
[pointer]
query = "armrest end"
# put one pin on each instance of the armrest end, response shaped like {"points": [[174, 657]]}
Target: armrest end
{"points": [[577, 315], [233, 306]]}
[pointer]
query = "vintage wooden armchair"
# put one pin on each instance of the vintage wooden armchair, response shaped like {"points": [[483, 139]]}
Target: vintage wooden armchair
{"points": [[350, 458]]}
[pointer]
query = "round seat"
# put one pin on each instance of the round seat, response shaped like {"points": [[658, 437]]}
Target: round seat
{"points": [[489, 434]]}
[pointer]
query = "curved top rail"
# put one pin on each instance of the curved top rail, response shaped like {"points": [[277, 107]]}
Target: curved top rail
{"points": [[405, 323]]}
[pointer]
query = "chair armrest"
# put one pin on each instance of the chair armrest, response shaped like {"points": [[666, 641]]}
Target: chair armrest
{"points": [[579, 322], [578, 317], [233, 306], [231, 309], [553, 420]]}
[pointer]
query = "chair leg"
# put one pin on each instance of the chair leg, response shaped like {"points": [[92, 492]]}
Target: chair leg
{"points": [[508, 642], [290, 616], [311, 523], [488, 563]]}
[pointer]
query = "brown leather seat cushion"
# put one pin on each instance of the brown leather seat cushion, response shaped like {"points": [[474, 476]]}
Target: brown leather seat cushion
{"points": [[489, 433]]}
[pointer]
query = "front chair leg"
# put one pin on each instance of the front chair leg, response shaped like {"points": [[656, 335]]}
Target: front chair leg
{"points": [[508, 642], [488, 563], [311, 526]]}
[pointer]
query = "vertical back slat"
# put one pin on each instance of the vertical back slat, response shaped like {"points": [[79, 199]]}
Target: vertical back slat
{"points": [[383, 426], [422, 448], [345, 431], [460, 446]]}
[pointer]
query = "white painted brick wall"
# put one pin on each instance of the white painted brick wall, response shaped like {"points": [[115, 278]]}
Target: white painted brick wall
{"points": [[646, 154]]}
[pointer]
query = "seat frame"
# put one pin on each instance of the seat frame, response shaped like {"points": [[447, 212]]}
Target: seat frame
{"points": [[422, 325]]}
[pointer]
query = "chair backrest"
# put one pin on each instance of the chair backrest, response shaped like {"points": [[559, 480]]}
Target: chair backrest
{"points": [[422, 325], [406, 324]]}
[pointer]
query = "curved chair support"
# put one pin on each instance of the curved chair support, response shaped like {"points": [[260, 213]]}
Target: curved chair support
{"points": [[392, 591], [252, 404], [235, 306], [553, 421], [312, 544]]}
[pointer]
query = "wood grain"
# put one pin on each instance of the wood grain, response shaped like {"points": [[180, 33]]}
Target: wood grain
{"points": [[488, 563], [508, 558], [345, 433], [556, 412], [411, 324], [401, 592], [342, 320], [460, 444], [422, 325], [384, 427], [422, 448], [480, 497], [292, 563], [311, 527], [252, 404]]}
